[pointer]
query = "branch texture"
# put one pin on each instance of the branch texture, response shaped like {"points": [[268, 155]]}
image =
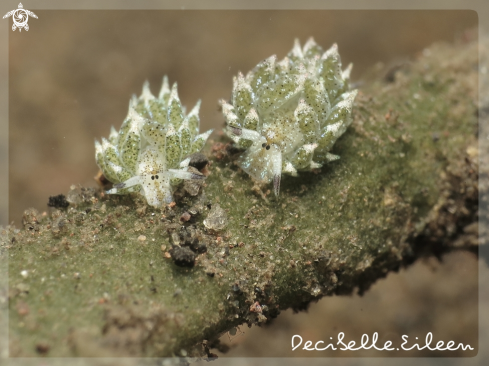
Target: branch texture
{"points": [[100, 277]]}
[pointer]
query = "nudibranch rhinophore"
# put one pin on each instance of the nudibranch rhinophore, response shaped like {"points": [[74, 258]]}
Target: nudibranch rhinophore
{"points": [[288, 114], [150, 152]]}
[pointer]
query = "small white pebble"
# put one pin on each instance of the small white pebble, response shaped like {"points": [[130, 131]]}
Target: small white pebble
{"points": [[141, 238], [216, 219], [24, 273]]}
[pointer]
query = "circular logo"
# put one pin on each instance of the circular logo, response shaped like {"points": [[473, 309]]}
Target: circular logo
{"points": [[20, 18]]}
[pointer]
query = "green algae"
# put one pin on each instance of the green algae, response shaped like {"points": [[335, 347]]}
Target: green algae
{"points": [[96, 280]]}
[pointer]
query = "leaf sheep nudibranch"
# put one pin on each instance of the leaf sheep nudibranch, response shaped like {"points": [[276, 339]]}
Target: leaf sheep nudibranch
{"points": [[288, 114], [150, 152]]}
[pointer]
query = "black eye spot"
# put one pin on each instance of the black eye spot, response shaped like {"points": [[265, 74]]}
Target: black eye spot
{"points": [[156, 176], [264, 144], [152, 177], [268, 147]]}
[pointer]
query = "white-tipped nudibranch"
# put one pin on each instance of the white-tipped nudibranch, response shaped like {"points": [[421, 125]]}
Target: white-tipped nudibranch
{"points": [[288, 114], [150, 152]]}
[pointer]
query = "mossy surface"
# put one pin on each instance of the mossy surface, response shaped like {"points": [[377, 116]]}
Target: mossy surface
{"points": [[96, 279]]}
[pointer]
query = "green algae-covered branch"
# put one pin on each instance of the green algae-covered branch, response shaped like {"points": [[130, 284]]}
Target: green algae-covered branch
{"points": [[112, 276]]}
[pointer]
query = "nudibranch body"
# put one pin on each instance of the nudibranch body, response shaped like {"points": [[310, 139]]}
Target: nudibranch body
{"points": [[150, 152], [288, 114]]}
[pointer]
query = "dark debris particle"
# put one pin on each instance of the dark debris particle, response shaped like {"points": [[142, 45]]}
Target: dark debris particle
{"points": [[232, 149], [390, 75], [188, 239], [201, 248], [182, 256], [195, 246], [211, 357], [236, 289], [274, 312], [198, 161], [58, 201], [210, 274], [42, 348], [217, 344], [102, 180]]}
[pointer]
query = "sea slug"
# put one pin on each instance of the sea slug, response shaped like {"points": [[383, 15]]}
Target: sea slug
{"points": [[287, 115], [150, 152]]}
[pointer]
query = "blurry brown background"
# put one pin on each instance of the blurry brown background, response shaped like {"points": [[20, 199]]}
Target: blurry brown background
{"points": [[72, 74]]}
